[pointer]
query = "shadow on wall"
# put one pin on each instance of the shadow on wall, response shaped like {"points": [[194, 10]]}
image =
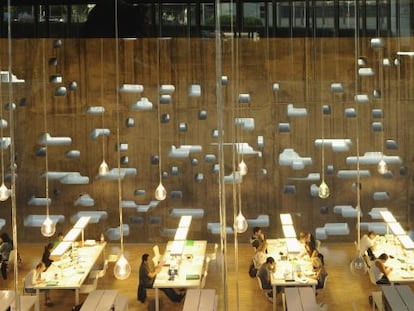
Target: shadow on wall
{"points": [[132, 20]]}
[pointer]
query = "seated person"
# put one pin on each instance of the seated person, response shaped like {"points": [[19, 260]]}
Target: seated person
{"points": [[367, 244], [33, 278], [259, 259], [265, 275], [146, 280], [380, 270], [258, 240], [46, 255], [320, 272]]}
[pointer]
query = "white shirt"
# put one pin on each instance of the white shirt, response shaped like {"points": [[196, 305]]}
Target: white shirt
{"points": [[365, 243]]}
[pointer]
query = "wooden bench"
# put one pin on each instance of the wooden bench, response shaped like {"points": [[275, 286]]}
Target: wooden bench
{"points": [[100, 300], [200, 300], [121, 303], [377, 303], [26, 303], [397, 298], [300, 299]]}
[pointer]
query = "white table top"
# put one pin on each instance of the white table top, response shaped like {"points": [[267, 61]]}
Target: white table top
{"points": [[293, 273], [6, 299], [189, 265], [64, 274], [100, 300]]}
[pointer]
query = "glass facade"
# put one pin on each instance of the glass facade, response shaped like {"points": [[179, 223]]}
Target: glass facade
{"points": [[67, 19]]}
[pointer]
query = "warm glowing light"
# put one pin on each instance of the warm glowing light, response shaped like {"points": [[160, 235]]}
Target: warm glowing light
{"points": [[4, 192], [323, 190], [241, 223], [243, 168], [48, 227], [382, 167], [103, 168], [160, 192], [122, 268]]}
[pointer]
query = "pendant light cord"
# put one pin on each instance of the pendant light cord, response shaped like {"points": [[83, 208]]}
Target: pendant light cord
{"points": [[45, 125], [12, 155], [102, 100], [358, 186], [121, 229], [159, 108], [2, 132]]}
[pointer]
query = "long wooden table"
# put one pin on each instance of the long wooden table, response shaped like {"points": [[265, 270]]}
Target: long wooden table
{"points": [[189, 264], [67, 274], [300, 299], [290, 271], [400, 259], [398, 297]]}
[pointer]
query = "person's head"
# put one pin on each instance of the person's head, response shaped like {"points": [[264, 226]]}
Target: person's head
{"points": [[144, 257], [383, 257], [316, 263], [302, 237], [372, 235], [257, 231], [60, 236], [270, 261], [40, 267], [4, 237]]}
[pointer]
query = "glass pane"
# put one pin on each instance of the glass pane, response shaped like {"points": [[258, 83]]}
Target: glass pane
{"points": [[58, 14], [207, 14], [80, 13], [174, 14], [299, 14], [346, 15], [371, 15], [404, 19], [283, 12], [227, 9], [253, 14], [324, 13]]}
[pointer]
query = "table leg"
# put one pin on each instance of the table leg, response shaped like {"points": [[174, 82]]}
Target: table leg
{"points": [[274, 297], [157, 300], [37, 303], [77, 296]]}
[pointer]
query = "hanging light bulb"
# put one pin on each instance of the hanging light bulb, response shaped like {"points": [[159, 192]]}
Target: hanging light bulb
{"points": [[358, 265], [241, 223], [122, 268], [103, 168], [323, 191], [382, 167], [48, 227], [243, 168], [4, 192], [160, 192]]}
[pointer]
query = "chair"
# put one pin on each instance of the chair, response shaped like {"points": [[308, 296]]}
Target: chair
{"points": [[26, 281], [90, 286], [371, 275], [99, 273], [157, 256], [265, 291], [11, 259], [318, 244], [203, 279], [213, 255], [323, 288]]}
